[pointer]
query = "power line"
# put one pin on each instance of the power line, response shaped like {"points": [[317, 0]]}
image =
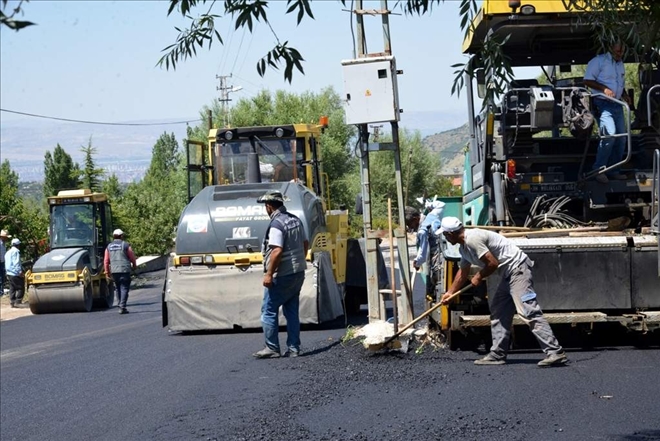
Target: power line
{"points": [[97, 122]]}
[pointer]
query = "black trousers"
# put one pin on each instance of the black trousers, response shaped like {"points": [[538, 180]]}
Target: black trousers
{"points": [[16, 289]]}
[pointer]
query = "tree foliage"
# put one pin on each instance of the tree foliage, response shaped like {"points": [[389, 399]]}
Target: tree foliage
{"points": [[60, 172], [148, 211], [24, 218], [267, 108], [8, 18], [91, 174]]}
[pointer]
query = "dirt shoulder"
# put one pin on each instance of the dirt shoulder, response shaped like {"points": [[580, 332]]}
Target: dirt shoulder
{"points": [[9, 313]]}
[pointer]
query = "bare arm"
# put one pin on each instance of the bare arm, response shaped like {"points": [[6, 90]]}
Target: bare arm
{"points": [[491, 266], [459, 281]]}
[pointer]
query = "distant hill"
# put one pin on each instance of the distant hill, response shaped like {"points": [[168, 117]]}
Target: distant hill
{"points": [[450, 145]]}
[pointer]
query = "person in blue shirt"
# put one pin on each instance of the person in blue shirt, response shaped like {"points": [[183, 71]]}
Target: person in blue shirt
{"points": [[15, 273], [4, 236], [605, 75], [426, 243]]}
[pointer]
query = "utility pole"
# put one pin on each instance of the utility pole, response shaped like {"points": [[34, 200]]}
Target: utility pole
{"points": [[225, 90], [372, 96]]}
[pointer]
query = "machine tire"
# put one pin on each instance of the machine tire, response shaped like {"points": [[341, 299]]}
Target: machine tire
{"points": [[106, 297], [88, 297]]}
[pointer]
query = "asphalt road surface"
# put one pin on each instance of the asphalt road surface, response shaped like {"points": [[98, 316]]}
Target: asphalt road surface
{"points": [[105, 376]]}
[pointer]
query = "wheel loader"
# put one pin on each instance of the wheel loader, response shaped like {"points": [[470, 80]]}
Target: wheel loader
{"points": [[71, 277], [214, 277]]}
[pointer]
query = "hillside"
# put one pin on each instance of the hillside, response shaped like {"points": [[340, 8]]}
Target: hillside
{"points": [[450, 145]]}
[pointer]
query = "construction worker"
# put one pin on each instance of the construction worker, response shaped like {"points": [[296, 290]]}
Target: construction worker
{"points": [[15, 273], [4, 236], [426, 243], [492, 252], [285, 249], [118, 261]]}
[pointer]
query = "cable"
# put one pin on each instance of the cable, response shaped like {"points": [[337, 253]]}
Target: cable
{"points": [[98, 122], [238, 52]]}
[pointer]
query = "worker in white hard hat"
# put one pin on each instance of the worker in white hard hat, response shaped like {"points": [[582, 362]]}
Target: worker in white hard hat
{"points": [[118, 261], [15, 273], [493, 252], [4, 237]]}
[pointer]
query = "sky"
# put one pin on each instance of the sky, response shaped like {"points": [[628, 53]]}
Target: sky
{"points": [[96, 60]]}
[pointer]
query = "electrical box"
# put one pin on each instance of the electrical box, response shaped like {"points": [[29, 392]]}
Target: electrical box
{"points": [[543, 105], [370, 90]]}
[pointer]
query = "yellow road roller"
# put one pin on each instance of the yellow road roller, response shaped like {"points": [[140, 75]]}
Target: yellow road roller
{"points": [[71, 277]]}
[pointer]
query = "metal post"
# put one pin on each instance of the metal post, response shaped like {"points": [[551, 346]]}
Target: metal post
{"points": [[375, 300], [405, 310], [386, 28]]}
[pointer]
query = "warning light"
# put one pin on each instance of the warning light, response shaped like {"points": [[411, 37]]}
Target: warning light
{"points": [[510, 169]]}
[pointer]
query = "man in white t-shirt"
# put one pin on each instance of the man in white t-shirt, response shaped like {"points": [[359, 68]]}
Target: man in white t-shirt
{"points": [[492, 252]]}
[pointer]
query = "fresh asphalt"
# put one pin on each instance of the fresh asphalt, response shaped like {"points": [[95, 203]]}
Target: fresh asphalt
{"points": [[105, 376]]}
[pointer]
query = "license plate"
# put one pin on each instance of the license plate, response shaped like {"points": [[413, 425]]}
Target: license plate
{"points": [[553, 188]]}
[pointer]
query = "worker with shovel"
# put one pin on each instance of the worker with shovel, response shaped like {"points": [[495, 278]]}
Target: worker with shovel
{"points": [[490, 251]]}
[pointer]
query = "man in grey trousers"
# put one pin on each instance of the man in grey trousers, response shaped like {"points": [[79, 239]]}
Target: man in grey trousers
{"points": [[119, 259], [491, 252]]}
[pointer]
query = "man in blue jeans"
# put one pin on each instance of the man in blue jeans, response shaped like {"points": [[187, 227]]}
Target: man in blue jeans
{"points": [[605, 75], [284, 249], [118, 261]]}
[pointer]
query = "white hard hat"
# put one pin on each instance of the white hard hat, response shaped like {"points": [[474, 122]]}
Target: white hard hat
{"points": [[15, 241], [118, 232]]}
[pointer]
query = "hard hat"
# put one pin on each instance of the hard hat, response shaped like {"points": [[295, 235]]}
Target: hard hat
{"points": [[5, 233], [118, 232], [450, 224], [15, 241], [271, 196]]}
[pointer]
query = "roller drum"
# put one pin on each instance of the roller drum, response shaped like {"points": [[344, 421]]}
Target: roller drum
{"points": [[54, 299]]}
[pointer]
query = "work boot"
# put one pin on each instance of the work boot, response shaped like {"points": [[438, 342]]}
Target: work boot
{"points": [[291, 353], [266, 353], [123, 311], [554, 360], [602, 179], [490, 360]]}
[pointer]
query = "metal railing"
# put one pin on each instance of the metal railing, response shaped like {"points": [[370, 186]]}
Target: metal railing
{"points": [[604, 169], [648, 104], [655, 205]]}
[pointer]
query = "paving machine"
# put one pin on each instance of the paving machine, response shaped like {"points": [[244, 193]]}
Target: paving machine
{"points": [[524, 168], [214, 277], [71, 277]]}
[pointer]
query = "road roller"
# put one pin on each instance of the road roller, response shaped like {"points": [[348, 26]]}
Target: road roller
{"points": [[71, 277]]}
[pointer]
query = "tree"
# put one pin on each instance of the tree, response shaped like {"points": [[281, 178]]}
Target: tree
{"points": [[25, 219], [165, 157], [112, 188], [7, 18], [60, 172], [91, 175], [149, 210], [282, 107], [637, 22]]}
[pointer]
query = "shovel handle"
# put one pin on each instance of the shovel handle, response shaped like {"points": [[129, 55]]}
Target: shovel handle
{"points": [[425, 314]]}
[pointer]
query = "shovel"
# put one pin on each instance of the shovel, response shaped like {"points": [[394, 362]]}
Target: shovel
{"points": [[379, 346]]}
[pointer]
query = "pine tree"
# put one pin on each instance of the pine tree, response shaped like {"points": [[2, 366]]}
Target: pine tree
{"points": [[60, 172]]}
